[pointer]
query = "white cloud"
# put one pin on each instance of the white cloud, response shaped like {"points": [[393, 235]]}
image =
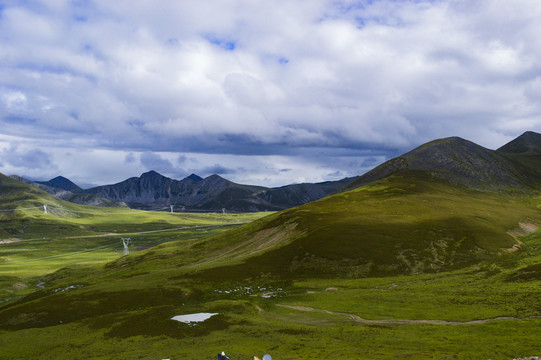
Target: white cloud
{"points": [[275, 78], [15, 102]]}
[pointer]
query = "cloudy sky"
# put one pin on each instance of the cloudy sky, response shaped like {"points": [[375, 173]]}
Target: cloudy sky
{"points": [[260, 92]]}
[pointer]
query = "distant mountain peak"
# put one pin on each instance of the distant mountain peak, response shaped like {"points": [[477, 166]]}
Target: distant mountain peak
{"points": [[214, 176], [193, 177], [61, 182], [529, 142], [453, 142], [151, 173]]}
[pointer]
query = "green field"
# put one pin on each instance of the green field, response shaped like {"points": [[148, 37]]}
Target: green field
{"points": [[411, 269]]}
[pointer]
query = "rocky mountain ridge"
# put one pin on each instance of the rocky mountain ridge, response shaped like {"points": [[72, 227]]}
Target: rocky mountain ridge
{"points": [[514, 166], [193, 193]]}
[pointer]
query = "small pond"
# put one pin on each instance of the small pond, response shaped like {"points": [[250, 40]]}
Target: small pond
{"points": [[192, 318]]}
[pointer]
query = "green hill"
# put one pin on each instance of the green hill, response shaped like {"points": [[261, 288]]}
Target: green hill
{"points": [[527, 143], [408, 223], [462, 162]]}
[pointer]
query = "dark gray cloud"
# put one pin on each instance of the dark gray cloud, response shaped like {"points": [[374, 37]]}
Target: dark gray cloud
{"points": [[219, 170], [181, 159], [130, 158], [33, 158], [321, 81], [153, 161]]}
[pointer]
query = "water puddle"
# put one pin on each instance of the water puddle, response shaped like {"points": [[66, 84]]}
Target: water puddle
{"points": [[193, 318]]}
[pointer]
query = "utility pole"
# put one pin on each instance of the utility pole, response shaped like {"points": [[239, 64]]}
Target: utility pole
{"points": [[126, 242]]}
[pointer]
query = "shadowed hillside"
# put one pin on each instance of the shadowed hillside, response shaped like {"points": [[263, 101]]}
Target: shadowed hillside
{"points": [[526, 150], [462, 162]]}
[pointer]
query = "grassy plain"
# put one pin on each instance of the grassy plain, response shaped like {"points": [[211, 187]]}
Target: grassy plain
{"points": [[34, 243], [286, 284]]}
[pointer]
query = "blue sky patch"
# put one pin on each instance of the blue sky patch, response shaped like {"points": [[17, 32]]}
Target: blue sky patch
{"points": [[18, 120], [80, 18], [224, 43]]}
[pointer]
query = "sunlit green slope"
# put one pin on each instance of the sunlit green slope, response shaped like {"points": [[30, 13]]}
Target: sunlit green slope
{"points": [[406, 224]]}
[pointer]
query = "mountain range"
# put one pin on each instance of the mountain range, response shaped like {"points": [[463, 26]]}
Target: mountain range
{"points": [[154, 191], [516, 165]]}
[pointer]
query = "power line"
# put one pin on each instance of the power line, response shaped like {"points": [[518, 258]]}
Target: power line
{"points": [[20, 209]]}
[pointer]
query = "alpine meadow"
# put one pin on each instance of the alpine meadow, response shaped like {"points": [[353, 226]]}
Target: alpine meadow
{"points": [[270, 180], [433, 254]]}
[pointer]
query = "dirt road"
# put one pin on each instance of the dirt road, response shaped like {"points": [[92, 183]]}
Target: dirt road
{"points": [[401, 321]]}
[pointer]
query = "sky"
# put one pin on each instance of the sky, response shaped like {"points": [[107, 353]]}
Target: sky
{"points": [[260, 92]]}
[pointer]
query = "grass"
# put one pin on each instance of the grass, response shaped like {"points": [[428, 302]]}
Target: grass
{"points": [[36, 244], [142, 329], [264, 276], [389, 228]]}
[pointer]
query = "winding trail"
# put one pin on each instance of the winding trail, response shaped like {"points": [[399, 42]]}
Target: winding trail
{"points": [[13, 240], [403, 321], [139, 232]]}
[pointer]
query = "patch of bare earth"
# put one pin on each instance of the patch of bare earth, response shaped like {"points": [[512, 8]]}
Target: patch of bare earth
{"points": [[360, 320], [522, 230], [9, 241], [263, 240]]}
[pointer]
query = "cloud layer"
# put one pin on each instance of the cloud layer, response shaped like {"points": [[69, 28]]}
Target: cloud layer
{"points": [[334, 84]]}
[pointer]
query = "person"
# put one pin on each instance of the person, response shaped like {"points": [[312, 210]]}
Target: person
{"points": [[265, 357], [222, 356]]}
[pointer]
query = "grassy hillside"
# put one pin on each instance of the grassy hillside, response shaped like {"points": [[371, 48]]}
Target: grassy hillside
{"points": [[124, 311], [409, 266], [34, 243], [405, 224]]}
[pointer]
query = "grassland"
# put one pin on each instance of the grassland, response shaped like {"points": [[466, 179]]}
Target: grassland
{"points": [[34, 243], [399, 269]]}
